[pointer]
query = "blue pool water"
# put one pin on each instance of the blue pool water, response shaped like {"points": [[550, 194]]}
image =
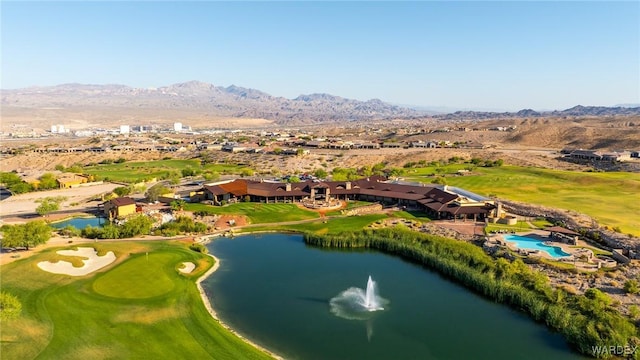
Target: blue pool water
{"points": [[80, 223], [524, 242]]}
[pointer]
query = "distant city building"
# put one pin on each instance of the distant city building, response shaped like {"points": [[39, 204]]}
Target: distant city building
{"points": [[124, 129], [84, 133], [58, 129], [177, 126]]}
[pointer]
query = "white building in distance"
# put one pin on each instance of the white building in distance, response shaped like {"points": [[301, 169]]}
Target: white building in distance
{"points": [[177, 126], [58, 129], [125, 129]]}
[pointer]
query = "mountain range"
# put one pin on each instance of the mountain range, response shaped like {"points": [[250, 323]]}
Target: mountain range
{"points": [[576, 111], [231, 101], [240, 102]]}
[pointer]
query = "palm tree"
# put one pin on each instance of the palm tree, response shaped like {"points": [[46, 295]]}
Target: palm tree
{"points": [[177, 205]]}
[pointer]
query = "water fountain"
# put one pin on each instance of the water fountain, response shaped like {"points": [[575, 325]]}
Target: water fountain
{"points": [[371, 300], [358, 304]]}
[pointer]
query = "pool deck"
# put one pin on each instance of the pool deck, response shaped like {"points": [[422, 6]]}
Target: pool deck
{"points": [[542, 236]]}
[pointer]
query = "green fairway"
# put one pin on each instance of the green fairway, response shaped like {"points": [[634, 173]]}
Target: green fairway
{"points": [[139, 308], [611, 198], [140, 277], [258, 213], [158, 169]]}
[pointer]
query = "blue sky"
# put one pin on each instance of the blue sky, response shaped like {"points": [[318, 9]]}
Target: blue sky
{"points": [[479, 55]]}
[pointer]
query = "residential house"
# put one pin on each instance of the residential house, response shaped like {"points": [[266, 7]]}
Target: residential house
{"points": [[119, 207], [66, 181]]}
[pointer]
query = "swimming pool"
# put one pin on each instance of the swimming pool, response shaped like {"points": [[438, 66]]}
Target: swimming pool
{"points": [[524, 242]]}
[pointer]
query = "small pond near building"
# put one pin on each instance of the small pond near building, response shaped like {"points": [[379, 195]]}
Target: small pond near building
{"points": [[276, 291], [80, 222]]}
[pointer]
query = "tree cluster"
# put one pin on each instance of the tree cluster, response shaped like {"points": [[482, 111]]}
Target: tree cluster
{"points": [[134, 226], [182, 225], [14, 183], [25, 235]]}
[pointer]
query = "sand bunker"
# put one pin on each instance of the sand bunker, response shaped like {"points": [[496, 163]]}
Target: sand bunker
{"points": [[188, 267], [91, 264]]}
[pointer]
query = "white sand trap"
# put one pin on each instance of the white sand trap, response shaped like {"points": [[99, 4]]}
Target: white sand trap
{"points": [[91, 264], [188, 267]]}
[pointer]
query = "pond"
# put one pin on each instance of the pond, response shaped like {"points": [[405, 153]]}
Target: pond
{"points": [[276, 291], [80, 222]]}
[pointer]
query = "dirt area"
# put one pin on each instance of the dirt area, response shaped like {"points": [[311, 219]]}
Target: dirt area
{"points": [[77, 200], [468, 228], [317, 158], [224, 221]]}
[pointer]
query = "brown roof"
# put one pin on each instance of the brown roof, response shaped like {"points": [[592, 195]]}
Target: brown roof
{"points": [[441, 196], [215, 190], [122, 201], [561, 230], [278, 189], [237, 187]]}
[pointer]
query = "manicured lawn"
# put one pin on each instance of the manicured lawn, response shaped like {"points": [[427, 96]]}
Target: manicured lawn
{"points": [[258, 213], [328, 226], [140, 277], [609, 197], [139, 308], [412, 215], [136, 171], [541, 223]]}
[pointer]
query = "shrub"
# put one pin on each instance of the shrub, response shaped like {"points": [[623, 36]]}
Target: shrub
{"points": [[198, 248], [10, 306], [122, 190], [631, 286]]}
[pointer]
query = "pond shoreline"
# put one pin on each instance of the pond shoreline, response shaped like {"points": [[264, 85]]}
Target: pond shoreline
{"points": [[212, 312]]}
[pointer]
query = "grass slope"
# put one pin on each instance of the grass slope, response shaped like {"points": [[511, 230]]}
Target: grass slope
{"points": [[328, 226], [140, 308], [610, 198], [258, 213]]}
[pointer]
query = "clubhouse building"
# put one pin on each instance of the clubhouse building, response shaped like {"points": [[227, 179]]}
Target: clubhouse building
{"points": [[440, 202]]}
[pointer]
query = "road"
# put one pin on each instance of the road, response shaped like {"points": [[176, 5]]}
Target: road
{"points": [[77, 200]]}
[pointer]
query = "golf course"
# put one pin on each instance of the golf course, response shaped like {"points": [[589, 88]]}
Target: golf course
{"points": [[608, 197], [139, 307]]}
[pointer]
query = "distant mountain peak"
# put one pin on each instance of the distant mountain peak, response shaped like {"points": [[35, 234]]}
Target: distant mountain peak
{"points": [[319, 97]]}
